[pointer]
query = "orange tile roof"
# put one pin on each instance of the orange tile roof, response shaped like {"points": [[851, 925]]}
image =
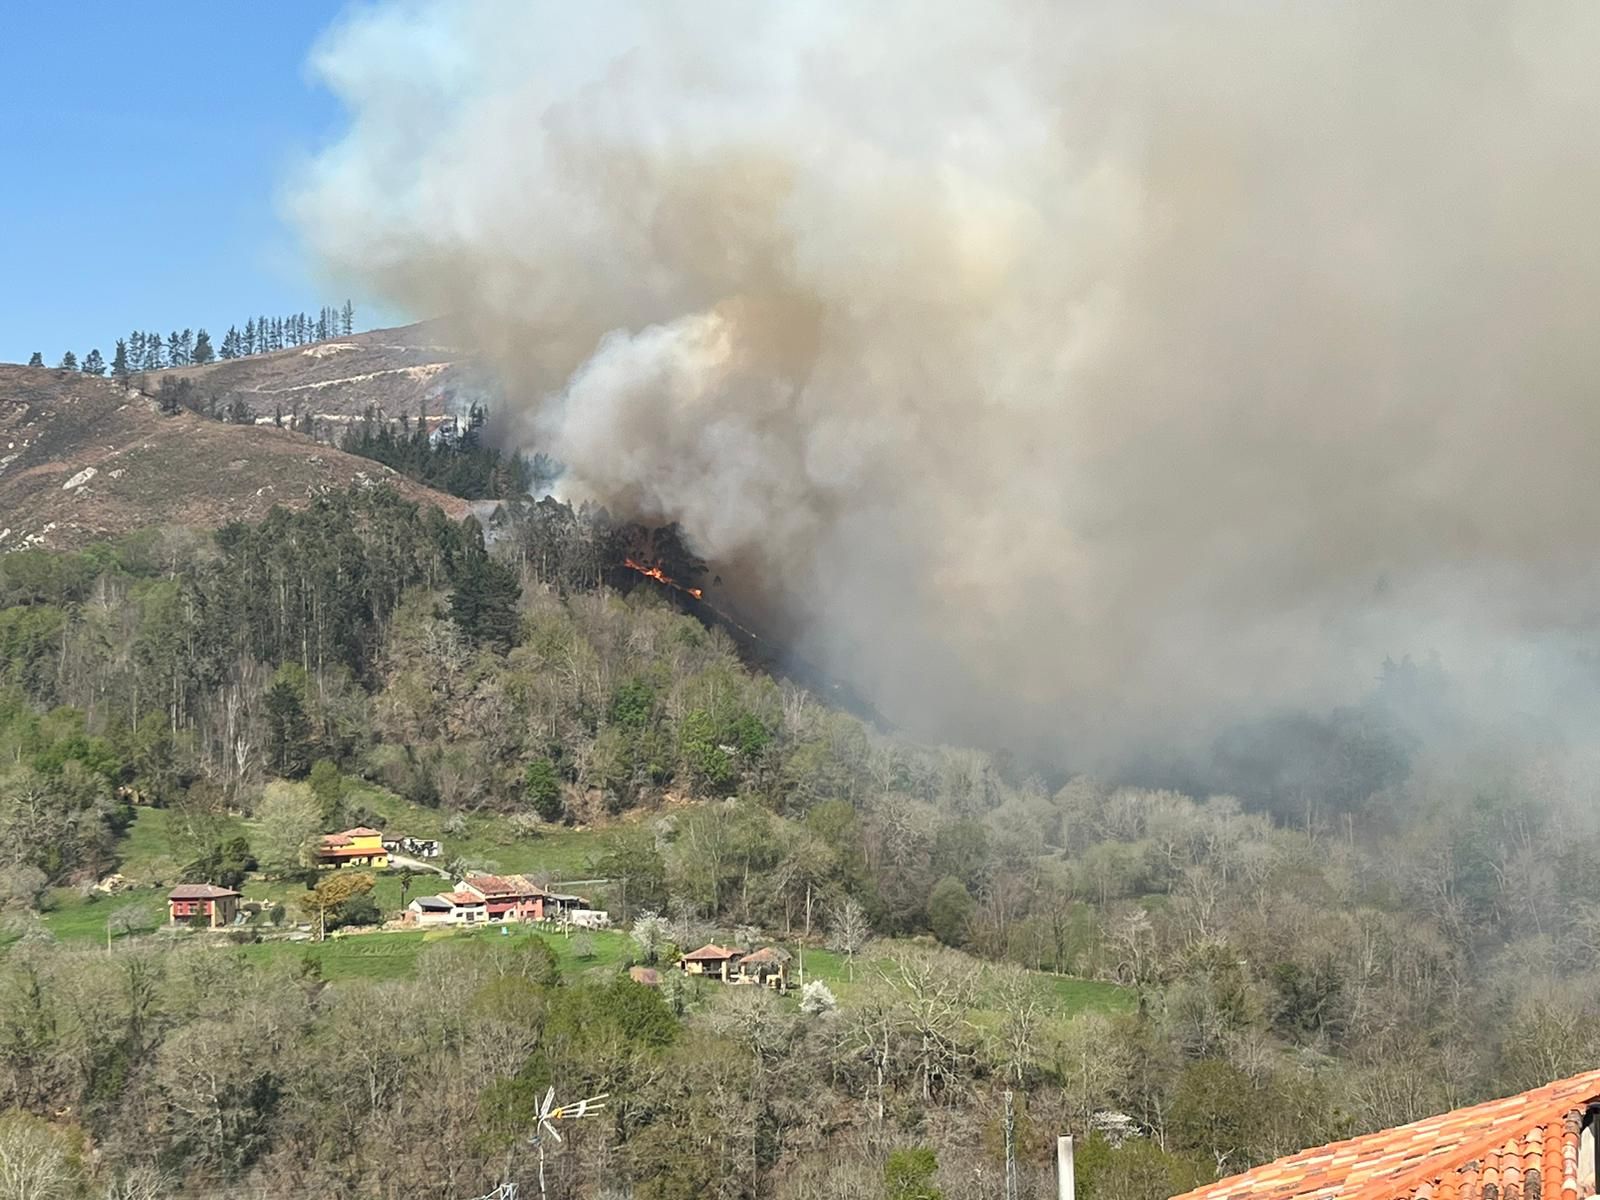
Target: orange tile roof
{"points": [[500, 886], [328, 850], [1524, 1145], [767, 954], [711, 952]]}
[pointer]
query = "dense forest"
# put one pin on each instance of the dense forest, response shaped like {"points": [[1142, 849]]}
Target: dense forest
{"points": [[1348, 920], [453, 456]]}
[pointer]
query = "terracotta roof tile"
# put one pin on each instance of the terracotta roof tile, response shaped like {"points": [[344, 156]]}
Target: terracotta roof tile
{"points": [[711, 952], [199, 891], [1519, 1146], [504, 885], [767, 954]]}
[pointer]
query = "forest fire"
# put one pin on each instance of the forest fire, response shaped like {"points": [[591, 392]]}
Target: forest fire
{"points": [[661, 576]]}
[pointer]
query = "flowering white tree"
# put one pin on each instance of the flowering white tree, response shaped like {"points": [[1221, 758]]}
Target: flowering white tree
{"points": [[816, 998], [651, 935]]}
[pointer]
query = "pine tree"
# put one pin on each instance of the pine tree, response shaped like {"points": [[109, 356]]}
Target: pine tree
{"points": [[69, 361], [230, 342], [202, 352], [175, 349], [119, 360], [347, 318], [94, 363], [36, 359], [136, 350], [187, 341], [322, 326], [154, 352], [249, 337], [277, 333]]}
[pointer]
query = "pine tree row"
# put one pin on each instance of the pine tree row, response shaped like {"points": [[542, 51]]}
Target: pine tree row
{"points": [[148, 351], [261, 335]]}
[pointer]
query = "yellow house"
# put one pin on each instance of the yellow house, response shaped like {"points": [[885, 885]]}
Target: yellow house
{"points": [[358, 847]]}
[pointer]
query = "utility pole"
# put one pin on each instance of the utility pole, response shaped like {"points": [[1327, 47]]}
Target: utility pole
{"points": [[1066, 1185], [1011, 1149]]}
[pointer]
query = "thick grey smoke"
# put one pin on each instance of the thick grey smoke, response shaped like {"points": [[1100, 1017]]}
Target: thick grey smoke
{"points": [[1060, 374]]}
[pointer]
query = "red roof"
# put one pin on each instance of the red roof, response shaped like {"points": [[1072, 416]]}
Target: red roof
{"points": [[360, 831], [199, 891], [710, 953], [1455, 1156], [767, 954], [503, 885], [460, 898]]}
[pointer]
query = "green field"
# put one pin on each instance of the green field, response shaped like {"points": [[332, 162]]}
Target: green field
{"points": [[394, 955], [489, 842], [377, 956], [1058, 994], [150, 858], [72, 917]]}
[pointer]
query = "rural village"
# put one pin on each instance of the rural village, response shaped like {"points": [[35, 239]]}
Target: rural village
{"points": [[477, 900]]}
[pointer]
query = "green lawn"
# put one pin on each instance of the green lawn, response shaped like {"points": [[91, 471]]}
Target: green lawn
{"points": [[72, 917], [148, 855], [378, 956], [147, 851], [489, 842]]}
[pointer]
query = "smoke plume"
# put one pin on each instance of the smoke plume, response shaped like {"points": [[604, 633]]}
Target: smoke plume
{"points": [[1062, 375]]}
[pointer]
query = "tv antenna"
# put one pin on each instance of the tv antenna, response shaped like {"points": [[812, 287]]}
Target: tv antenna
{"points": [[550, 1115]]}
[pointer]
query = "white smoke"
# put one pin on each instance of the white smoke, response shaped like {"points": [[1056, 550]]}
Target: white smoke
{"points": [[1060, 374]]}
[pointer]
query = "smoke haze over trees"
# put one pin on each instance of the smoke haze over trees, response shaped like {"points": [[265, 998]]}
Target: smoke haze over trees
{"points": [[1062, 376]]}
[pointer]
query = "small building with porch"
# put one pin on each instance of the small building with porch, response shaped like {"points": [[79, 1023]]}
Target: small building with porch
{"points": [[711, 960], [217, 905], [427, 911], [768, 966]]}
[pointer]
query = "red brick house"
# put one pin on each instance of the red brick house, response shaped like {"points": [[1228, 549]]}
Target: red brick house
{"points": [[189, 900], [1535, 1146], [508, 897]]}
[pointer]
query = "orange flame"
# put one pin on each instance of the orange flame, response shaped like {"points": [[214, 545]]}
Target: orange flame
{"points": [[661, 576]]}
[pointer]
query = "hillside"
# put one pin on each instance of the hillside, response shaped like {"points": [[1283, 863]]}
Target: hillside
{"points": [[397, 372], [1202, 984], [83, 458]]}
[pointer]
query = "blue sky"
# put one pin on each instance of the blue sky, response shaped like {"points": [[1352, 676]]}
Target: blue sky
{"points": [[142, 151]]}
